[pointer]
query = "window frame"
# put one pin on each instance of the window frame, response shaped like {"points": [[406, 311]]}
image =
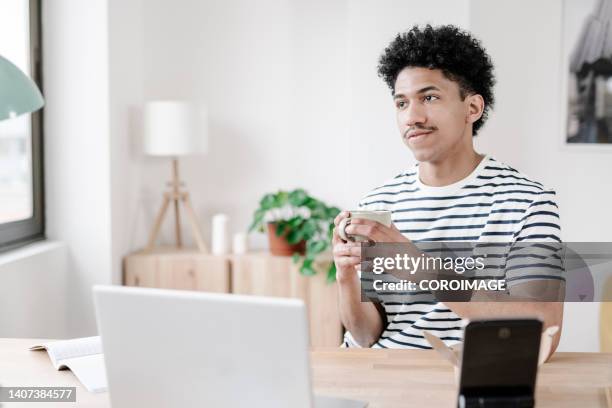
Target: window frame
{"points": [[18, 233]]}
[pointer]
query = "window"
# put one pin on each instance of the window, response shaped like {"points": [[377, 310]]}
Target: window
{"points": [[21, 159]]}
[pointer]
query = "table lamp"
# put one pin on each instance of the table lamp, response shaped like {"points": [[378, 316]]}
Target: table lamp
{"points": [[173, 129], [18, 93]]}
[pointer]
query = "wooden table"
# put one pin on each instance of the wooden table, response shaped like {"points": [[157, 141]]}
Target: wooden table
{"points": [[385, 378]]}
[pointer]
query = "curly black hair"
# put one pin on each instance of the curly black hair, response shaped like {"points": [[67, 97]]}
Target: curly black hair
{"points": [[459, 56]]}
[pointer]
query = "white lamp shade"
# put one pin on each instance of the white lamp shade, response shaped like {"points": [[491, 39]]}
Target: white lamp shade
{"points": [[175, 128]]}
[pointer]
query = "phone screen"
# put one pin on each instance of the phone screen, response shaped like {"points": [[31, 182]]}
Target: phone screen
{"points": [[500, 358]]}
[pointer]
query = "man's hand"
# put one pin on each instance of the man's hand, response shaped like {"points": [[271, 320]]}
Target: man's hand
{"points": [[364, 320], [347, 255], [375, 231]]}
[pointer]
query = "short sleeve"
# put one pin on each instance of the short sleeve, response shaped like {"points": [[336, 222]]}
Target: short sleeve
{"points": [[541, 222], [536, 251]]}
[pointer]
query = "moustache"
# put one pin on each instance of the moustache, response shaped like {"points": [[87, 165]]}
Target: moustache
{"points": [[410, 129]]}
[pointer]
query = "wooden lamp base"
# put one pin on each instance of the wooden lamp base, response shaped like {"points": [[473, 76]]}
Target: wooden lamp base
{"points": [[177, 197]]}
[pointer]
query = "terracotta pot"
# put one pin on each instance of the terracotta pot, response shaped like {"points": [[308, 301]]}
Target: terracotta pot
{"points": [[280, 246]]}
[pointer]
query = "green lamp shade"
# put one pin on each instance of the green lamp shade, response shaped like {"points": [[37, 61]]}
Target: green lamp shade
{"points": [[18, 93]]}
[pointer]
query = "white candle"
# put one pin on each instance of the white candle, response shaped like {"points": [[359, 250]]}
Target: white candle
{"points": [[220, 234], [240, 243]]}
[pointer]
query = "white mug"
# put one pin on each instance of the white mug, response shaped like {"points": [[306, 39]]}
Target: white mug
{"points": [[381, 216]]}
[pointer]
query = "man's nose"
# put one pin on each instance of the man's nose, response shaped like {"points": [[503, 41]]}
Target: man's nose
{"points": [[414, 115]]}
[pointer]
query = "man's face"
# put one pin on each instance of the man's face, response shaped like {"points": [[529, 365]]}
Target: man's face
{"points": [[431, 116]]}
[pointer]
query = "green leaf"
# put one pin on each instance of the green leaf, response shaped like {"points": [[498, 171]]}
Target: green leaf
{"points": [[331, 273], [294, 236], [296, 257], [332, 212], [316, 247], [320, 213], [298, 197], [310, 202], [295, 222], [281, 198], [307, 268], [267, 202], [309, 228], [257, 220], [280, 228]]}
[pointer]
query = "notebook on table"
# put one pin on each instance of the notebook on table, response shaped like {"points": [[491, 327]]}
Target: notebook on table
{"points": [[82, 356]]}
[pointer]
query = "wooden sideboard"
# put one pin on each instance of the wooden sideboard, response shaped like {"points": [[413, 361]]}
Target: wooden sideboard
{"points": [[257, 273]]}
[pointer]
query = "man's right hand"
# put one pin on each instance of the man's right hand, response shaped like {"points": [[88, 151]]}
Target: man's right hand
{"points": [[347, 255]]}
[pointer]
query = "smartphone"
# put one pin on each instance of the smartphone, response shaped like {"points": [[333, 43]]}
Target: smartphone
{"points": [[499, 363]]}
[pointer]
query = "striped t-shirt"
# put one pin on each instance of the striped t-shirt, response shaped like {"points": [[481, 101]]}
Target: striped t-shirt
{"points": [[495, 203]]}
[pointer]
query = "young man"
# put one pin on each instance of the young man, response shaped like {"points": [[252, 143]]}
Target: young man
{"points": [[442, 86]]}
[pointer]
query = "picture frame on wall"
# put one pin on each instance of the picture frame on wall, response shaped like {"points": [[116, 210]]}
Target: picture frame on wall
{"points": [[586, 69]]}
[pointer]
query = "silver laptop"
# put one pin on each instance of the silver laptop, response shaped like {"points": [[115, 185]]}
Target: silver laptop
{"points": [[169, 348]]}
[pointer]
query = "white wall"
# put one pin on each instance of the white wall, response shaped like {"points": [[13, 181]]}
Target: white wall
{"points": [[525, 128], [92, 82], [293, 94], [376, 151], [239, 57], [77, 148], [125, 80], [93, 85], [33, 290]]}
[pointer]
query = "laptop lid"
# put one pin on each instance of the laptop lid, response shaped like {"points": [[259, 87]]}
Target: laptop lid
{"points": [[169, 348]]}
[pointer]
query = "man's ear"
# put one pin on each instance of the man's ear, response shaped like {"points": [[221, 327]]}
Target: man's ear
{"points": [[475, 108]]}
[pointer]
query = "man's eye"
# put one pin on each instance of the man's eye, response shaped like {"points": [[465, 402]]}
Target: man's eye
{"points": [[401, 104], [430, 98]]}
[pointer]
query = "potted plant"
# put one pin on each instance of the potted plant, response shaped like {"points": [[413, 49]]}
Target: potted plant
{"points": [[298, 225]]}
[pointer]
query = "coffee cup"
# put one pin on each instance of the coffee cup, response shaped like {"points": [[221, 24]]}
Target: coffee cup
{"points": [[381, 216]]}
